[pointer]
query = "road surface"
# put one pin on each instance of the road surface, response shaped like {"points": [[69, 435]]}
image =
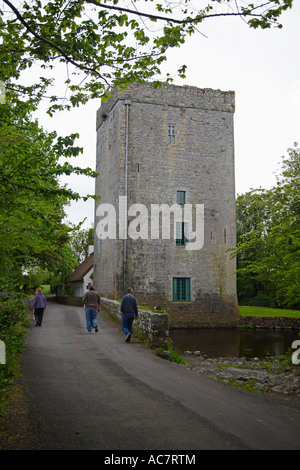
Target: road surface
{"points": [[95, 391]]}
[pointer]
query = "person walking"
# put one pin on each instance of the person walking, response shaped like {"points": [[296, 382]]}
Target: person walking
{"points": [[38, 305], [129, 312], [91, 302]]}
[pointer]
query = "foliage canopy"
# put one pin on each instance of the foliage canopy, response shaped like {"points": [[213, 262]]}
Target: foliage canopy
{"points": [[268, 238], [106, 43], [32, 201]]}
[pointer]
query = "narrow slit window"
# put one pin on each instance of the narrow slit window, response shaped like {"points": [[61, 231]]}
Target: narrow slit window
{"points": [[171, 133], [181, 197], [182, 230]]}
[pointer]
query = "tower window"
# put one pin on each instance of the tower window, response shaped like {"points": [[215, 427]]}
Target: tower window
{"points": [[181, 197], [182, 231], [181, 289], [171, 133]]}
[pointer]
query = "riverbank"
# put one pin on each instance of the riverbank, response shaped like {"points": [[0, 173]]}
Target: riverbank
{"points": [[274, 375], [254, 311]]}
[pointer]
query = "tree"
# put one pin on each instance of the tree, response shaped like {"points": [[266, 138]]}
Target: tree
{"points": [[80, 241], [284, 235], [268, 238], [252, 217], [32, 230], [108, 42]]}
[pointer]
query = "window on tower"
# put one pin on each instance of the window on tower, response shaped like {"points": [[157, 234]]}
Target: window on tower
{"points": [[171, 133], [182, 231], [181, 289], [181, 197]]}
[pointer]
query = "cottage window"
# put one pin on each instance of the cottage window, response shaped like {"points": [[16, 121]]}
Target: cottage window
{"points": [[181, 289]]}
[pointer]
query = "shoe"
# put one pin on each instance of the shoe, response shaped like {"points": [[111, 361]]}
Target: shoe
{"points": [[96, 329], [128, 336]]}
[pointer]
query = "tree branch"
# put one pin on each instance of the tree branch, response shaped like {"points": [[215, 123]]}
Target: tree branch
{"points": [[196, 19], [48, 42]]}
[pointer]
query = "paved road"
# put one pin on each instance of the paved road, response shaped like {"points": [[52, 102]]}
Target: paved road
{"points": [[94, 391]]}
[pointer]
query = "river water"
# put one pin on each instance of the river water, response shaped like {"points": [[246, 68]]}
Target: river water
{"points": [[227, 342]]}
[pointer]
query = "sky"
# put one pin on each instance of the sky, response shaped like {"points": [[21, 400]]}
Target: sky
{"points": [[262, 67]]}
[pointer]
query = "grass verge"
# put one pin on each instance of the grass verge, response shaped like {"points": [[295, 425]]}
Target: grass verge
{"points": [[246, 310]]}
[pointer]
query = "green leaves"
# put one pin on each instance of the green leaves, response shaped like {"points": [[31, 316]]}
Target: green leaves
{"points": [[32, 202], [106, 43], [268, 235]]}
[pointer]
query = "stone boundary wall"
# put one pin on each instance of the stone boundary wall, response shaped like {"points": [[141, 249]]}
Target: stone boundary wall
{"points": [[155, 326], [270, 322], [69, 300]]}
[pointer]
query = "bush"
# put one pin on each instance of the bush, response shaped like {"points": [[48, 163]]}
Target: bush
{"points": [[13, 327]]}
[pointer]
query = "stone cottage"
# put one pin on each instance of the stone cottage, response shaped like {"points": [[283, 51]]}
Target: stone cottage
{"points": [[166, 219]]}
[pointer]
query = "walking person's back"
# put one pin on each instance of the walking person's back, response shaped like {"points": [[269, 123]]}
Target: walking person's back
{"points": [[38, 305], [129, 312], [91, 302]]}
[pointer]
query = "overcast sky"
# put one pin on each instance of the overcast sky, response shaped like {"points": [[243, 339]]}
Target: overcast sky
{"points": [[261, 67]]}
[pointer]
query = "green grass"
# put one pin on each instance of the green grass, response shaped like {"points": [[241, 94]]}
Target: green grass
{"points": [[246, 310], [46, 289]]}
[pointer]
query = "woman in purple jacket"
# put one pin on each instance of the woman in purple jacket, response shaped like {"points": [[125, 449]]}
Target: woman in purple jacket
{"points": [[39, 304]]}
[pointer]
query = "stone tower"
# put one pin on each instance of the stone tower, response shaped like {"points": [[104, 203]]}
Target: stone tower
{"points": [[159, 151]]}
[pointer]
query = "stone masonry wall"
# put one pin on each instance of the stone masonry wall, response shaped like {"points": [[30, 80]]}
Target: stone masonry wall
{"points": [[275, 323], [201, 163], [69, 300], [153, 326]]}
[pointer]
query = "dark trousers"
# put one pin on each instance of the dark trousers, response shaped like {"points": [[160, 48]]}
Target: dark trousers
{"points": [[38, 314]]}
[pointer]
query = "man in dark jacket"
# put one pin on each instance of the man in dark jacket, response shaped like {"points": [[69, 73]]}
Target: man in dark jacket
{"points": [[91, 302], [129, 312]]}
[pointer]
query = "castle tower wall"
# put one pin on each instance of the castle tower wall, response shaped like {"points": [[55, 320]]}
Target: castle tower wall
{"points": [[179, 143]]}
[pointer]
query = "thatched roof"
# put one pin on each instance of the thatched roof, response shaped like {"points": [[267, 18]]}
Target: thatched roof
{"points": [[82, 269]]}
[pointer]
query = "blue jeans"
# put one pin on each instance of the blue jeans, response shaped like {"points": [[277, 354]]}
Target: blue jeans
{"points": [[127, 320], [91, 318]]}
